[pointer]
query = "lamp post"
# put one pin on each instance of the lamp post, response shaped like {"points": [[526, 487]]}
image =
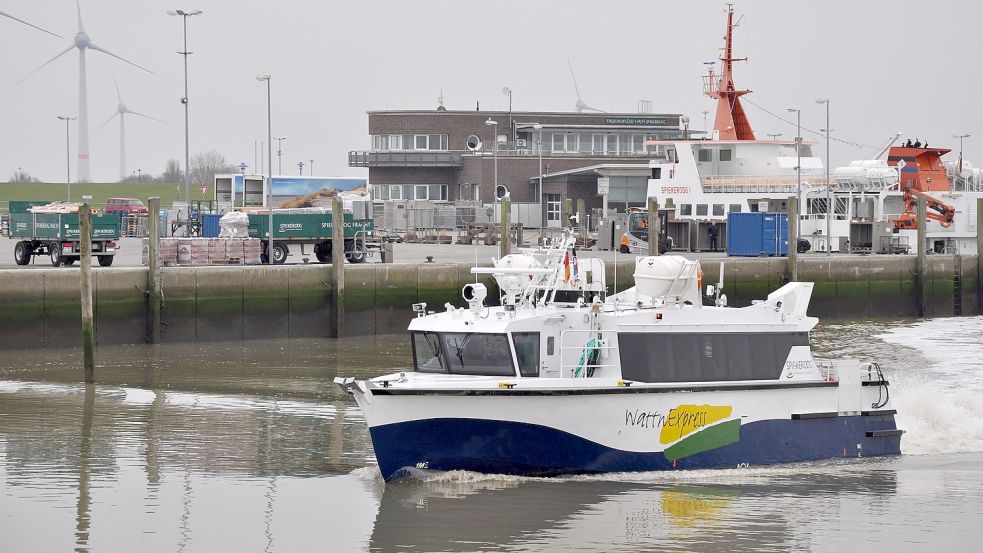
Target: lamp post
{"points": [[829, 193], [705, 113], [300, 168], [774, 135], [269, 185], [311, 167], [798, 171], [185, 14], [68, 161], [959, 167], [279, 153], [494, 125], [508, 92], [539, 146]]}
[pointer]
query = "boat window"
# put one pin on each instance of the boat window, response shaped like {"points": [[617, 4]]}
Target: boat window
{"points": [[527, 352], [549, 345], [705, 154], [701, 209], [691, 357], [718, 210], [686, 209], [735, 208], [426, 353], [725, 155], [486, 354]]}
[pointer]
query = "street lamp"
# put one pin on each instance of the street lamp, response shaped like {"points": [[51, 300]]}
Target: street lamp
{"points": [[300, 168], [508, 92], [774, 135], [798, 171], [539, 146], [185, 14], [68, 162], [269, 186], [311, 167], [705, 113], [959, 167], [279, 153], [494, 124], [829, 194]]}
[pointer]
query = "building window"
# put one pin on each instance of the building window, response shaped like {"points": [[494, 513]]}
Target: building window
{"points": [[735, 208], [718, 210], [421, 192], [553, 207], [705, 154], [686, 210], [407, 142], [394, 142], [396, 191], [597, 144], [565, 143], [443, 192], [701, 210], [725, 155], [612, 145]]}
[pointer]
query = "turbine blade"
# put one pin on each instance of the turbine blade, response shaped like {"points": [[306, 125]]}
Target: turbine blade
{"points": [[29, 24], [78, 6], [131, 112], [574, 77], [119, 98], [111, 117], [588, 108], [60, 54], [108, 53]]}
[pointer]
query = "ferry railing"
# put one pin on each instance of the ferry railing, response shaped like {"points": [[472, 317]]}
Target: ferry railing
{"points": [[583, 368]]}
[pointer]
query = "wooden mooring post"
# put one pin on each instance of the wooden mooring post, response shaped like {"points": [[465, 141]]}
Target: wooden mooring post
{"points": [[88, 329], [154, 280], [921, 280], [653, 223], [338, 263]]}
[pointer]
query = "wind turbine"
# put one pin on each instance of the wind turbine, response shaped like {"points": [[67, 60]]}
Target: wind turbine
{"points": [[581, 106], [83, 43], [121, 111], [29, 24]]}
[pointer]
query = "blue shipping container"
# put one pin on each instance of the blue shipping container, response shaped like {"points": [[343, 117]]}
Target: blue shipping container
{"points": [[757, 233], [209, 224]]}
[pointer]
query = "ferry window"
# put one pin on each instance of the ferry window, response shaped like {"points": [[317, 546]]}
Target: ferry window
{"points": [[705, 154], [701, 210], [686, 210], [484, 354], [725, 155], [527, 352], [426, 353], [549, 345], [685, 357], [718, 210], [735, 208]]}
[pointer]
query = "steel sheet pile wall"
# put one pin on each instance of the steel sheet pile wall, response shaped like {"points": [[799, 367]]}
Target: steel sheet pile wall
{"points": [[40, 308]]}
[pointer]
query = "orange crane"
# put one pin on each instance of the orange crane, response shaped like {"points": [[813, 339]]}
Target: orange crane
{"points": [[935, 210], [920, 171]]}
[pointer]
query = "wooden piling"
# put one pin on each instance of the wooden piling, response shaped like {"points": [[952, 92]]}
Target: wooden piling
{"points": [[504, 242], [653, 223], [338, 263], [567, 212], [792, 263], [921, 280], [154, 277], [979, 254], [88, 329]]}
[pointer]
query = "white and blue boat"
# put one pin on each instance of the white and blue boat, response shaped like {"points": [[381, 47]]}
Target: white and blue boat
{"points": [[561, 378]]}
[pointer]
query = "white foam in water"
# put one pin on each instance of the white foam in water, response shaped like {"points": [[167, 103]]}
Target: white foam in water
{"points": [[940, 404]]}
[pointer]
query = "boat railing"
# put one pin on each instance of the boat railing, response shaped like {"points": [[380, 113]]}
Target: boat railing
{"points": [[750, 184], [868, 371], [601, 341]]}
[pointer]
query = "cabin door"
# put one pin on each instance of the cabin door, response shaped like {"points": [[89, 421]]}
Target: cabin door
{"points": [[549, 350]]}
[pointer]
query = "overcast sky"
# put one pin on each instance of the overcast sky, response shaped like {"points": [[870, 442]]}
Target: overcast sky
{"points": [[886, 66]]}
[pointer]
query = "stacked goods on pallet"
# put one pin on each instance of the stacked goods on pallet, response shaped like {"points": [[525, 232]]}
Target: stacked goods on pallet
{"points": [[216, 251], [184, 251], [199, 251], [233, 250], [251, 250]]}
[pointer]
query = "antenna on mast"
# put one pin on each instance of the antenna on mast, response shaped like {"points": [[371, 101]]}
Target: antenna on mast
{"points": [[731, 122]]}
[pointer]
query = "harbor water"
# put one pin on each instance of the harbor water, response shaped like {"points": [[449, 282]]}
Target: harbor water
{"points": [[247, 446]]}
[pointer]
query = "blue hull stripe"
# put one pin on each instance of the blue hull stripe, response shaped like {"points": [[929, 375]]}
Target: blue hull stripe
{"points": [[506, 447]]}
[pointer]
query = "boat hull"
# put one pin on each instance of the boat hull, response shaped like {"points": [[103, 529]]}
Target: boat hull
{"points": [[580, 432]]}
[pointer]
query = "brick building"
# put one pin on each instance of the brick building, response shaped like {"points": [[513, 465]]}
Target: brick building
{"points": [[449, 155]]}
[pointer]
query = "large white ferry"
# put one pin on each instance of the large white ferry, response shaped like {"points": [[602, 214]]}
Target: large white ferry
{"points": [[867, 206], [560, 379]]}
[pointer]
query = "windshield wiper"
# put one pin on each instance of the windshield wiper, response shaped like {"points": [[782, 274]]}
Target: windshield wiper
{"points": [[435, 346], [460, 348]]}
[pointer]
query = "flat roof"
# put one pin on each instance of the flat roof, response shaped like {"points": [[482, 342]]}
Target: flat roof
{"points": [[519, 113]]}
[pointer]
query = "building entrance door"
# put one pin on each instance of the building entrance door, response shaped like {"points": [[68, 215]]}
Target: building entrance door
{"points": [[554, 211]]}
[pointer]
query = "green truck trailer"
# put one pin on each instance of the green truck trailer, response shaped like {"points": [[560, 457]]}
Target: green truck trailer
{"points": [[314, 229], [56, 235]]}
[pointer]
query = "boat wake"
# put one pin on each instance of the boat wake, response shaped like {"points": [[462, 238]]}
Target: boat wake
{"points": [[940, 402]]}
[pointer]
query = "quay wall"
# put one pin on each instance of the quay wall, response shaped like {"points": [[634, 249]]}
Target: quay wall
{"points": [[42, 308]]}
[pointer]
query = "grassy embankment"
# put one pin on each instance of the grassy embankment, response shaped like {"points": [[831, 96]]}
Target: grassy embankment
{"points": [[100, 192]]}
